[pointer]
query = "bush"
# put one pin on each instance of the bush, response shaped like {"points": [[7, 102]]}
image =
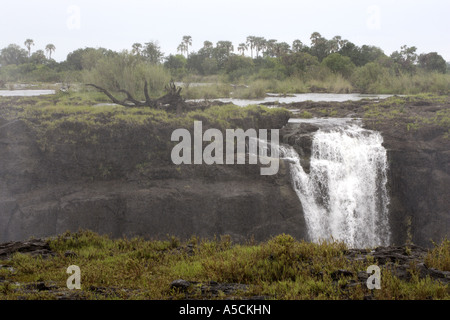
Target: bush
{"points": [[339, 64], [128, 72]]}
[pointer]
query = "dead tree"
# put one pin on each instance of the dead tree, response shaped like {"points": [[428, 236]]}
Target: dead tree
{"points": [[171, 101]]}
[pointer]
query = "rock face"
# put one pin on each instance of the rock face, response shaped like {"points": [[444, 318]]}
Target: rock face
{"points": [[419, 179], [43, 196]]}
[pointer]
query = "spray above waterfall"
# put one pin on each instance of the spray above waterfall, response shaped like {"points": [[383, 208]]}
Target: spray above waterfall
{"points": [[344, 196]]}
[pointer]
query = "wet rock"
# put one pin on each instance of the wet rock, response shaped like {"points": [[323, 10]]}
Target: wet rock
{"points": [[70, 254], [33, 247], [180, 284], [336, 275]]}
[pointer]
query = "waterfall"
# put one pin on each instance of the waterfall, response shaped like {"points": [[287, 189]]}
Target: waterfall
{"points": [[344, 196]]}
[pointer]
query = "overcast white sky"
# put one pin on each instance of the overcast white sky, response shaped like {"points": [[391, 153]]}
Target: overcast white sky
{"points": [[117, 24]]}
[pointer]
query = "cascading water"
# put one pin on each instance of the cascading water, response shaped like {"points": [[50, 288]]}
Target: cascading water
{"points": [[344, 196]]}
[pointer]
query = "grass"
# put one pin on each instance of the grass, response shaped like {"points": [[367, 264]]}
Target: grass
{"points": [[412, 111], [280, 268]]}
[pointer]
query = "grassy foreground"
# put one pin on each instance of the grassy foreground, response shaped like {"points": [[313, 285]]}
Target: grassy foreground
{"points": [[280, 268]]}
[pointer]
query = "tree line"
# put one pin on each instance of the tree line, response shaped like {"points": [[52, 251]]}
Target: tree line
{"points": [[256, 57]]}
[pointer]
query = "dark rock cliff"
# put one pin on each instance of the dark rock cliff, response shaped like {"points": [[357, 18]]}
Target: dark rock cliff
{"points": [[106, 190]]}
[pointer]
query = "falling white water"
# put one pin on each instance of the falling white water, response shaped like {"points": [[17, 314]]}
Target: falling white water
{"points": [[344, 196]]}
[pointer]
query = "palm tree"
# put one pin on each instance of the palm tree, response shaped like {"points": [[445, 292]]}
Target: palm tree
{"points": [[50, 48], [270, 47], [136, 48], [297, 46], [182, 48], [28, 43], [242, 48], [251, 43], [260, 44], [187, 40]]}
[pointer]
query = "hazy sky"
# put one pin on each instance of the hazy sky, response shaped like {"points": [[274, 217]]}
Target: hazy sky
{"points": [[117, 24]]}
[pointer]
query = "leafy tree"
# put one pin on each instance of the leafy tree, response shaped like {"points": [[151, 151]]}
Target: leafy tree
{"points": [[13, 54], [339, 64], [28, 43], [270, 48], [38, 57], [176, 64], [152, 52], [125, 71], [50, 48], [237, 65], [432, 62], [136, 48], [281, 49], [207, 49], [319, 46], [405, 59], [299, 63], [367, 76], [369, 54], [297, 46], [349, 49], [86, 58], [222, 51]]}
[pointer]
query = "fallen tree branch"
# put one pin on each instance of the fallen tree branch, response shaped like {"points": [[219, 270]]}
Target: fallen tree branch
{"points": [[171, 101]]}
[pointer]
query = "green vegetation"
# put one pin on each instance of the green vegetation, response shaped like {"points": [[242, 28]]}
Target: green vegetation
{"points": [[412, 111], [280, 268], [327, 65]]}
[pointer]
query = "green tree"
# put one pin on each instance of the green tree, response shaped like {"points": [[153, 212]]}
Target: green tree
{"points": [[136, 48], [319, 46], [405, 59], [251, 44], [38, 57], [297, 46], [28, 43], [369, 54], [432, 62], [270, 48], [339, 64], [281, 49], [50, 48], [125, 71], [349, 49], [365, 77], [176, 64], [187, 40], [242, 48], [207, 50], [299, 63], [259, 44], [13, 54], [152, 52], [182, 48]]}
